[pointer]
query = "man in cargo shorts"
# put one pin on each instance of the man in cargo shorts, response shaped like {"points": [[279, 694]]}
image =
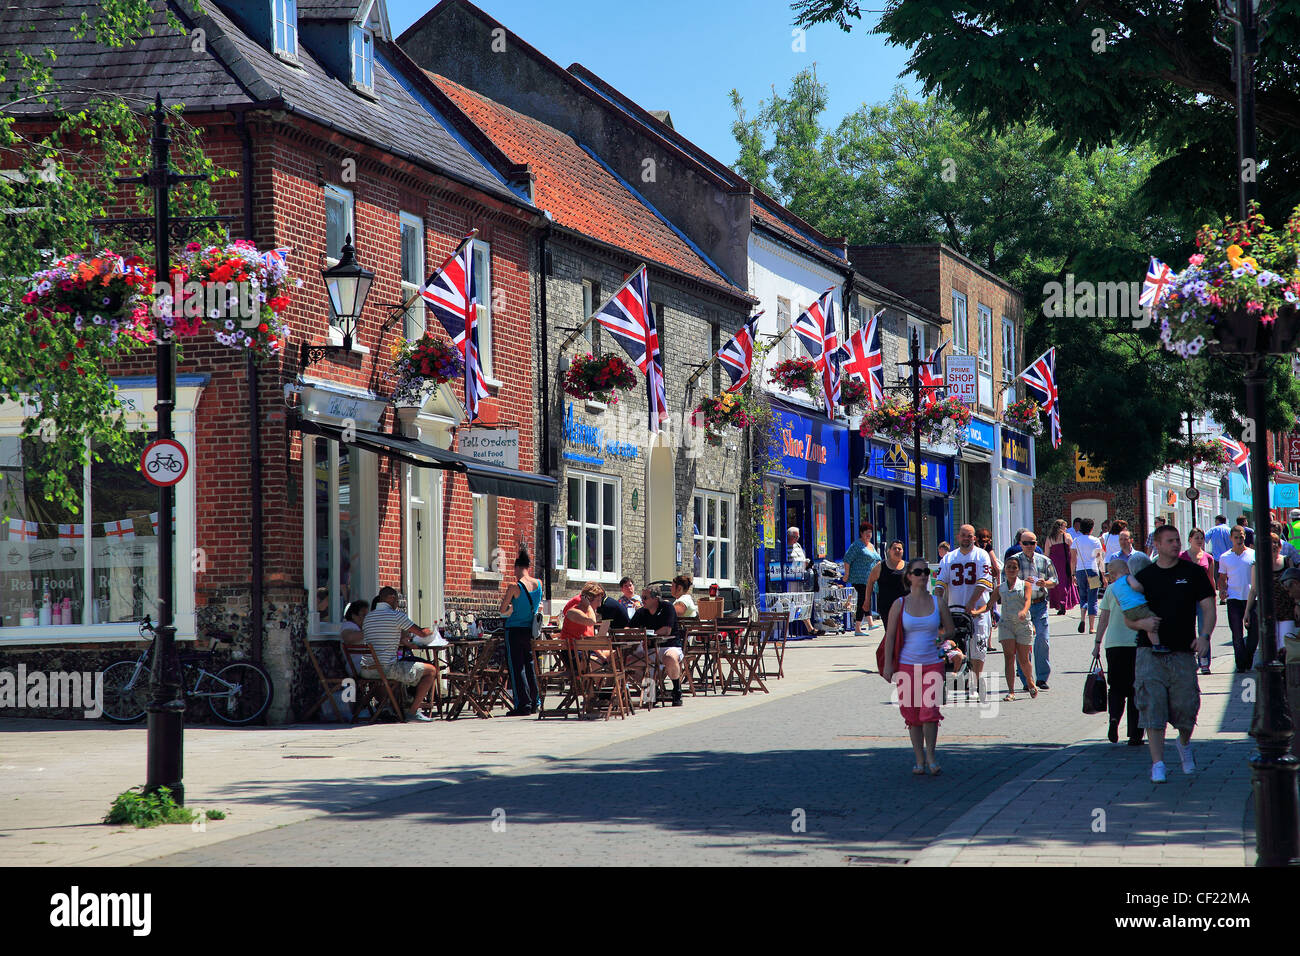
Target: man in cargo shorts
{"points": [[1165, 680]]}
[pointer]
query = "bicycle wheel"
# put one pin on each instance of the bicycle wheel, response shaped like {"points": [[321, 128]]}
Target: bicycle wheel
{"points": [[126, 692], [248, 697]]}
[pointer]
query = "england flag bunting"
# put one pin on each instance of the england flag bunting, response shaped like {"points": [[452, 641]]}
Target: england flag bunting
{"points": [[122, 530], [72, 532], [21, 530], [1240, 455], [737, 356], [812, 323], [1040, 379], [630, 319], [1153, 286], [864, 359], [450, 296]]}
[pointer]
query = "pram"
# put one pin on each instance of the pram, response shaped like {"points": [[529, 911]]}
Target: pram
{"points": [[959, 675]]}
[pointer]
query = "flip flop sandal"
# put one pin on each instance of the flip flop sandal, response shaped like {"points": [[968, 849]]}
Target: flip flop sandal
{"points": [[934, 769], [918, 770], [1008, 696]]}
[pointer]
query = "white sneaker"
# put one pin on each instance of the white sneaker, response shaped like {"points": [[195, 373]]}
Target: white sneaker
{"points": [[1189, 764], [420, 716], [1158, 772]]}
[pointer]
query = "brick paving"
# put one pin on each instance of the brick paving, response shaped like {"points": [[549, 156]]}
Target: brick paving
{"points": [[817, 773]]}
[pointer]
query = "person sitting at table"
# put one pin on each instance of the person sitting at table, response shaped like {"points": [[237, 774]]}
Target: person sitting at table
{"points": [[628, 598], [353, 616], [611, 609], [661, 618], [579, 617], [387, 629], [683, 601]]}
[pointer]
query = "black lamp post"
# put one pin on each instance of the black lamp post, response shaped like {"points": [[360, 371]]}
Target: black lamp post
{"points": [[348, 284], [916, 363], [1272, 768]]}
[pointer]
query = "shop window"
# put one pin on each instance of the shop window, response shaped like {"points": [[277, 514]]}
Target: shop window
{"points": [[593, 527], [337, 559], [412, 249], [98, 565], [487, 554], [713, 531]]}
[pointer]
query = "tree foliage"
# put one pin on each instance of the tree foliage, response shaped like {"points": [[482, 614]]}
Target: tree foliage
{"points": [[61, 147], [1025, 206]]}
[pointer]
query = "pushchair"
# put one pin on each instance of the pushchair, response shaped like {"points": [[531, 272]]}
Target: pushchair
{"points": [[960, 674]]}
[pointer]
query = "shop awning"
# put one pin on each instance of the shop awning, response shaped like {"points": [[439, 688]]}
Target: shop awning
{"points": [[483, 478]]}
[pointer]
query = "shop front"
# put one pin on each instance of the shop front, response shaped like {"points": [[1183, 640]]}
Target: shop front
{"points": [[1013, 469], [1167, 498], [885, 485], [810, 491], [973, 502]]}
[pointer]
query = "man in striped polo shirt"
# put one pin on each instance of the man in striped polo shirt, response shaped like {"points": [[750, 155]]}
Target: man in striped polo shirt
{"points": [[387, 629]]}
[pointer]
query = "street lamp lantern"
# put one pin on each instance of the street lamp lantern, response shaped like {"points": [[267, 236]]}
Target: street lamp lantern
{"points": [[348, 283]]}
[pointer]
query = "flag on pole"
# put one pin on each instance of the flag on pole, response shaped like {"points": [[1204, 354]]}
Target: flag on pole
{"points": [[865, 359], [1240, 455], [71, 532], [931, 376], [20, 530], [832, 358], [812, 322], [449, 295], [1153, 286], [1040, 379], [737, 356], [630, 318]]}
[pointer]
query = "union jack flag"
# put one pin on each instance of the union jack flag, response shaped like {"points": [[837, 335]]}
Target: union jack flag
{"points": [[931, 379], [630, 319], [122, 530], [1153, 286], [1240, 455], [832, 358], [449, 295], [865, 359], [20, 530], [737, 356], [812, 323], [71, 532], [1040, 378], [268, 258]]}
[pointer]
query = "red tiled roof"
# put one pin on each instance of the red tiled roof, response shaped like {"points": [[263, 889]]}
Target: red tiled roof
{"points": [[577, 190]]}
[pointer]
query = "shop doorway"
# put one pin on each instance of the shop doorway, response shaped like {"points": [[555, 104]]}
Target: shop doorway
{"points": [[796, 512], [661, 518], [1093, 508], [419, 592]]}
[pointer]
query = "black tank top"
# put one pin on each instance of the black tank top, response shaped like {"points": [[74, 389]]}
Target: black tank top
{"points": [[893, 585]]}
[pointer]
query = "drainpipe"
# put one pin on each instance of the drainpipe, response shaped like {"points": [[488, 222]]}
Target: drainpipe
{"points": [[548, 465], [254, 415]]}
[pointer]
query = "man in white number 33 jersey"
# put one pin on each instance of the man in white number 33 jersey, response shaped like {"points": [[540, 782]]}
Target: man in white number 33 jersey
{"points": [[966, 581]]}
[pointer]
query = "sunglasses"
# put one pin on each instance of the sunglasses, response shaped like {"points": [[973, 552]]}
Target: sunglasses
{"points": [[920, 572]]}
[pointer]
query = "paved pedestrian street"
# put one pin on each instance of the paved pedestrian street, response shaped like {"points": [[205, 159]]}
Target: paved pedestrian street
{"points": [[816, 773]]}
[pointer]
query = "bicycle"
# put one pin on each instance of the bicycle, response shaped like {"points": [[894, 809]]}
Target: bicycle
{"points": [[238, 693]]}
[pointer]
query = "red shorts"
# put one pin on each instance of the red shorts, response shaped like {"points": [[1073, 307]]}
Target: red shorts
{"points": [[920, 691]]}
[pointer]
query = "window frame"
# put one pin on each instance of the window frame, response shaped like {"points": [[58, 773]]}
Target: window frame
{"points": [[591, 302], [484, 322], [984, 359], [700, 535], [960, 324], [289, 21], [580, 573], [492, 517], [363, 497], [785, 348], [414, 322], [361, 32], [1008, 358]]}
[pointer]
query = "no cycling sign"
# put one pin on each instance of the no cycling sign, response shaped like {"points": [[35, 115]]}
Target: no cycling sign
{"points": [[164, 462]]}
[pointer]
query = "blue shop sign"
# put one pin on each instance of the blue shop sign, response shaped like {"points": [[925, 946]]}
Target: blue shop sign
{"points": [[980, 434], [578, 432], [1279, 495], [1015, 451], [816, 451], [892, 463]]}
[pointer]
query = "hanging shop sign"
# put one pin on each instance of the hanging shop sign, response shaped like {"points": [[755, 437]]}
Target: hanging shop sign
{"points": [[980, 434], [961, 378], [893, 464], [496, 446], [339, 408], [1015, 451], [586, 435]]}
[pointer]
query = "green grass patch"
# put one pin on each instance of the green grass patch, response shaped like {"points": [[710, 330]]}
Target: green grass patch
{"points": [[148, 809]]}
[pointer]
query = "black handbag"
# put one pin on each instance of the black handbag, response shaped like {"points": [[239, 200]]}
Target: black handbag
{"points": [[1094, 688]]}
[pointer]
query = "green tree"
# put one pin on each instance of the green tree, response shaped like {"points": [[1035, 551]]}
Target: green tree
{"points": [[60, 148], [1022, 205]]}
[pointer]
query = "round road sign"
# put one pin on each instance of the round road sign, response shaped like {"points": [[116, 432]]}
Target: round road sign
{"points": [[1191, 494], [164, 462]]}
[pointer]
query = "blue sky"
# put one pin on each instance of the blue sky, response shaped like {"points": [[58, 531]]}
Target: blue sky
{"points": [[687, 55]]}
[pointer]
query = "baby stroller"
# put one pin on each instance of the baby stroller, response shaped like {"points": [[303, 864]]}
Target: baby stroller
{"points": [[957, 670]]}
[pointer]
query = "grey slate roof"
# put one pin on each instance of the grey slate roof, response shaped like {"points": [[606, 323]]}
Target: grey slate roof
{"points": [[327, 9], [235, 70]]}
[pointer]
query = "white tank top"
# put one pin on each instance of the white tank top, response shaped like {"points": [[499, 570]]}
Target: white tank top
{"points": [[920, 634]]}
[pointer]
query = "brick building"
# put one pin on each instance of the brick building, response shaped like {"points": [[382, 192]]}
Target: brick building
{"points": [[347, 495]]}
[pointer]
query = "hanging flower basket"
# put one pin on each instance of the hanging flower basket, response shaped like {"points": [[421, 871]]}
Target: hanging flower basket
{"points": [[894, 420], [1023, 416], [598, 378], [854, 394], [85, 310], [233, 290], [1275, 468], [797, 374], [1239, 292], [1201, 454], [421, 366], [724, 411]]}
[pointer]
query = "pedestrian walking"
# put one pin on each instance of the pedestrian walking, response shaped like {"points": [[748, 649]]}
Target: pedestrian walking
{"points": [[1235, 576], [1165, 684], [1283, 605], [1086, 559], [1015, 548], [965, 580], [1247, 530], [1119, 641], [1040, 577], [1150, 546], [921, 622], [1124, 547], [1059, 543], [984, 539], [1015, 633], [890, 576], [1111, 540], [1288, 549], [1197, 554], [522, 599], [859, 562]]}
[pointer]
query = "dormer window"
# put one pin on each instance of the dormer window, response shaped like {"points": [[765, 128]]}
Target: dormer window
{"points": [[284, 14], [363, 57]]}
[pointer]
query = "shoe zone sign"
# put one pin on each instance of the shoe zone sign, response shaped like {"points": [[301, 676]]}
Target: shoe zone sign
{"points": [[813, 450]]}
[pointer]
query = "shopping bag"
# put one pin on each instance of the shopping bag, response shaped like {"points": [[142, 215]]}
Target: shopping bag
{"points": [[1094, 688]]}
